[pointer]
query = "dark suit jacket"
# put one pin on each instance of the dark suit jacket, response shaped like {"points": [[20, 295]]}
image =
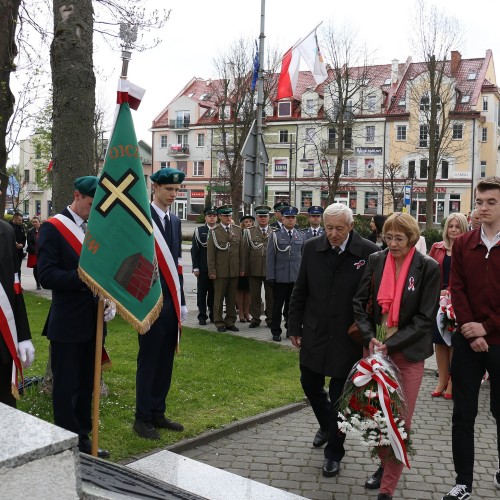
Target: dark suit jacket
{"points": [[321, 304], [73, 313], [199, 249], [419, 304], [31, 241], [8, 267]]}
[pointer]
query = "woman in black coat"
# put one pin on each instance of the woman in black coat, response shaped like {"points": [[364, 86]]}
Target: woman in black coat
{"points": [[32, 248]]}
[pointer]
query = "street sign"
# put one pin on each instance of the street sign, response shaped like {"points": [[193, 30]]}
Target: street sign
{"points": [[407, 193]]}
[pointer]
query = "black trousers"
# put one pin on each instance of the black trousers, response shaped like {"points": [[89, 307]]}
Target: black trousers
{"points": [[205, 296], [326, 411], [6, 396], [73, 383], [467, 370], [155, 362], [281, 301]]}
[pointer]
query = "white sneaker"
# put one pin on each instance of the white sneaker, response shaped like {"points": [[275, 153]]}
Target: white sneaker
{"points": [[458, 492]]}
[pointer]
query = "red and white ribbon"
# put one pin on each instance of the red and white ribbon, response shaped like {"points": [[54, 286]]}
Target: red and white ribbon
{"points": [[373, 369]]}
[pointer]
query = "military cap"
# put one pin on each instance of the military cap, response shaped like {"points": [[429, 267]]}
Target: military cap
{"points": [[225, 210], [262, 210], [86, 185], [289, 211], [210, 211], [168, 175], [314, 210], [280, 205], [247, 216]]}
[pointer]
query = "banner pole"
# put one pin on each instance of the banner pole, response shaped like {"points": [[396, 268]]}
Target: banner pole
{"points": [[97, 377]]}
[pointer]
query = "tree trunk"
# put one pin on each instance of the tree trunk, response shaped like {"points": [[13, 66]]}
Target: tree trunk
{"points": [[73, 83], [9, 12]]}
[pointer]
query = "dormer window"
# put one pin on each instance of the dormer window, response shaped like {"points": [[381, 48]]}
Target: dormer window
{"points": [[402, 102], [284, 109], [387, 81], [465, 99], [472, 76]]}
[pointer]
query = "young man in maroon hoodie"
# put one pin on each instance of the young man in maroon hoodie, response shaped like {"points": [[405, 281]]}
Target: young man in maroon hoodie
{"points": [[475, 294]]}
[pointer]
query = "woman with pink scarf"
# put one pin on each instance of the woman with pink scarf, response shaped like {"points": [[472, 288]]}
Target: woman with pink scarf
{"points": [[400, 292]]}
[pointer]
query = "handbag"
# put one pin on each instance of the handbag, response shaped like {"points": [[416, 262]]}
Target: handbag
{"points": [[32, 260]]}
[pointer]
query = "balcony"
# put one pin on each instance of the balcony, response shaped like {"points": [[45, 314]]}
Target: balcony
{"points": [[180, 124], [178, 150]]}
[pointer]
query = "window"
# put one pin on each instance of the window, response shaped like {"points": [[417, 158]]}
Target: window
{"points": [[371, 203], [182, 166], [26, 205], [310, 133], [182, 119], [370, 133], [332, 138], [465, 99], [471, 76], [163, 141], [309, 106], [369, 168], [201, 140], [345, 170], [305, 200], [402, 101], [454, 203], [308, 169], [484, 134], [485, 104], [284, 136], [284, 108], [458, 131], [423, 169], [182, 139], [444, 169], [424, 103], [372, 101], [424, 135], [38, 151], [348, 138], [164, 164], [411, 169], [38, 207], [224, 112], [401, 133], [483, 168], [280, 168], [38, 176], [198, 168]]}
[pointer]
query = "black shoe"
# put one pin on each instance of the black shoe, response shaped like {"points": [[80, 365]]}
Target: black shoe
{"points": [[320, 438], [496, 479], [384, 496], [146, 430], [221, 329], [38, 287], [202, 322], [330, 468], [253, 324], [373, 482], [458, 492], [232, 328], [277, 338], [86, 447], [165, 423]]}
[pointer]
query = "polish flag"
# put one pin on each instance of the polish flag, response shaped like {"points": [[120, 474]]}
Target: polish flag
{"points": [[311, 53], [128, 92], [289, 73]]}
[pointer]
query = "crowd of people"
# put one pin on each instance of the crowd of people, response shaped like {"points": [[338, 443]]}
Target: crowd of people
{"points": [[333, 288]]}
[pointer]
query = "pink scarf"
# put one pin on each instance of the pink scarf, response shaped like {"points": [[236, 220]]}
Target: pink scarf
{"points": [[390, 291]]}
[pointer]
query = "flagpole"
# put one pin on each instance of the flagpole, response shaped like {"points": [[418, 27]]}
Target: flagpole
{"points": [[97, 377]]}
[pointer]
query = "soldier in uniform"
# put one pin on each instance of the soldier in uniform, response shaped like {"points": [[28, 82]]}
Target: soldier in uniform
{"points": [[255, 240], [205, 286], [284, 252], [278, 224], [314, 215], [226, 263]]}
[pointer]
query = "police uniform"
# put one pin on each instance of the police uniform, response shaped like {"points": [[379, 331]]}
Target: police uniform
{"points": [[226, 263], [283, 262], [255, 240], [311, 232], [205, 286]]}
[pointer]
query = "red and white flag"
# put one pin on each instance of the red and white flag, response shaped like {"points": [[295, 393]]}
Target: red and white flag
{"points": [[310, 52], [128, 92], [287, 82]]}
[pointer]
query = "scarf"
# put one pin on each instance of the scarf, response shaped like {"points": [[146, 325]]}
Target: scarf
{"points": [[390, 292]]}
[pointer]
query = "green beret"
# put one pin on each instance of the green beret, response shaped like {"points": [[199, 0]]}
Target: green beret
{"points": [[225, 210], [168, 176], [280, 205], [262, 210], [86, 185]]}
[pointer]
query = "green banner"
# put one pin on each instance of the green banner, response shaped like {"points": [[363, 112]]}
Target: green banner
{"points": [[118, 257]]}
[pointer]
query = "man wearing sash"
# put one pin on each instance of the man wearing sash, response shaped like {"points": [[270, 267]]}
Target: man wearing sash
{"points": [[205, 286], [72, 320], [15, 343], [155, 359]]}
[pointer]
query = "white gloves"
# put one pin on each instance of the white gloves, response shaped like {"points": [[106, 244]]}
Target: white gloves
{"points": [[26, 352], [110, 310], [184, 313]]}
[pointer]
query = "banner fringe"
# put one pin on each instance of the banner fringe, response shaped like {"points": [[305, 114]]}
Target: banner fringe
{"points": [[143, 326], [15, 392]]}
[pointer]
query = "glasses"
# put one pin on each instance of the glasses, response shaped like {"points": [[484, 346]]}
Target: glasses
{"points": [[487, 203], [399, 240]]}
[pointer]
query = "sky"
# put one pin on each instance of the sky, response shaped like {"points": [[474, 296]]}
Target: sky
{"points": [[198, 30]]}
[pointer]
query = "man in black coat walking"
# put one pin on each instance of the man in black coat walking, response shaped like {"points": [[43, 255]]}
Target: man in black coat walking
{"points": [[320, 314]]}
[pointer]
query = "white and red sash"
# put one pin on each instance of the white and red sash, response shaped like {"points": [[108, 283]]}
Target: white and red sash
{"points": [[168, 269], [69, 230], [9, 333]]}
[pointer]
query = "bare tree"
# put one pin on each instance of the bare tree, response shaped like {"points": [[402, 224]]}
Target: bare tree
{"points": [[392, 179]]}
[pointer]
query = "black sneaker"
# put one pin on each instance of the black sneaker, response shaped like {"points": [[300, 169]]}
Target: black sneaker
{"points": [[496, 479], [458, 492]]}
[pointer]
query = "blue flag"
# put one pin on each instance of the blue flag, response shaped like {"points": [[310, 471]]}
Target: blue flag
{"points": [[255, 67]]}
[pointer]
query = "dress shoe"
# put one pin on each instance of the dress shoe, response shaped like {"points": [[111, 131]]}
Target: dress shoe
{"points": [[437, 394], [253, 324], [373, 482], [232, 328], [277, 338], [146, 430], [86, 447], [447, 395], [243, 320], [202, 322], [384, 496], [163, 422], [330, 468], [221, 329], [320, 438]]}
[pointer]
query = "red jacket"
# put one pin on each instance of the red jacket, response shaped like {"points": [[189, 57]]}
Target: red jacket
{"points": [[475, 284], [438, 253]]}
